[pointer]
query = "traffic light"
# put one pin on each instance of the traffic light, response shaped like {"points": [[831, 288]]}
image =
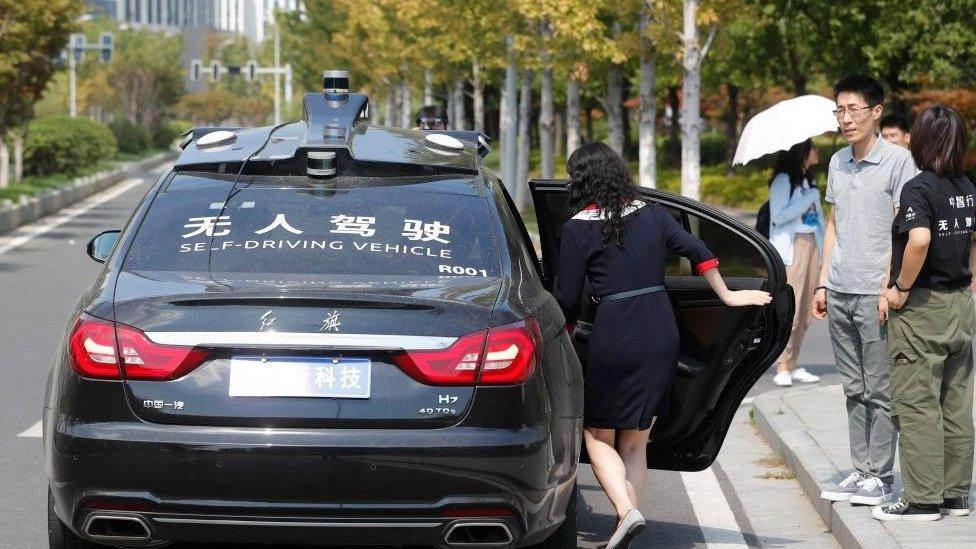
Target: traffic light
{"points": [[251, 72], [215, 70], [195, 67], [78, 43], [107, 41]]}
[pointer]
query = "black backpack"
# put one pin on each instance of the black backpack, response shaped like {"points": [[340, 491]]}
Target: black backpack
{"points": [[762, 217], [762, 220]]}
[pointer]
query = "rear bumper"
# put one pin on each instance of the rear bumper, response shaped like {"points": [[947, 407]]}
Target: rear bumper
{"points": [[327, 487], [328, 531]]}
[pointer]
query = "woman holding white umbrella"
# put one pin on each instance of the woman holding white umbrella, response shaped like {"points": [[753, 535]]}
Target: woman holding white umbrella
{"points": [[796, 220], [796, 230]]}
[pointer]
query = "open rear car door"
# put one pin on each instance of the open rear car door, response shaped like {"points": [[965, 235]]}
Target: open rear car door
{"points": [[724, 350]]}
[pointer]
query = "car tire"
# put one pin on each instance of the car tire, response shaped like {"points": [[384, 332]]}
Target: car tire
{"points": [[60, 536], [565, 536]]}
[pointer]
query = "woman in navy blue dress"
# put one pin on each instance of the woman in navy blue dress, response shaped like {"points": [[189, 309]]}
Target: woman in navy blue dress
{"points": [[619, 242]]}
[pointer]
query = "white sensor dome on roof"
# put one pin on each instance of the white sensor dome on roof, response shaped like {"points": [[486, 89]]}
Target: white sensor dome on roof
{"points": [[216, 139], [444, 141]]}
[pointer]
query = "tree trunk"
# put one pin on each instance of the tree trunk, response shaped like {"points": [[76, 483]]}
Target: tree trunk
{"points": [[428, 88], [731, 125], [674, 104], [613, 105], [389, 111], [478, 98], [18, 154], [546, 124], [797, 74], [691, 114], [590, 105], [558, 130], [451, 121], [572, 116], [546, 107], [398, 104], [4, 164], [672, 145], [524, 140], [406, 106], [459, 115], [647, 110], [625, 117], [509, 119]]}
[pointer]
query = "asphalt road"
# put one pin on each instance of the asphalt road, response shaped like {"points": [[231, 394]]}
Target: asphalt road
{"points": [[42, 273]]}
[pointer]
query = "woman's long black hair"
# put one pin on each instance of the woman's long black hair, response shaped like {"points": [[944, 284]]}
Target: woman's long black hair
{"points": [[793, 163], [599, 176]]}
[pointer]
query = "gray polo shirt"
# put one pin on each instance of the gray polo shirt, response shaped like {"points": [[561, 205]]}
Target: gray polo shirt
{"points": [[864, 194]]}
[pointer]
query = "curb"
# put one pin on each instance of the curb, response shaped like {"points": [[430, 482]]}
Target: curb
{"points": [[782, 429], [30, 209]]}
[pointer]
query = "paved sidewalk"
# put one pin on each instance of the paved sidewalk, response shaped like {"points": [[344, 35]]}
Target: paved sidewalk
{"points": [[808, 428]]}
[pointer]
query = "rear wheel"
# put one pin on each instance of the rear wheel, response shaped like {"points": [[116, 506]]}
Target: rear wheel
{"points": [[565, 535], [60, 536]]}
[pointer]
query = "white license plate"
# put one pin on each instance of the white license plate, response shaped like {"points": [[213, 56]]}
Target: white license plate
{"points": [[252, 376]]}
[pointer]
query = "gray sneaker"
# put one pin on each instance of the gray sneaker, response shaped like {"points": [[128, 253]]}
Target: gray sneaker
{"points": [[874, 491], [843, 490]]}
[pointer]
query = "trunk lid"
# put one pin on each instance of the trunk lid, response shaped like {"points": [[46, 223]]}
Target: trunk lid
{"points": [[302, 299]]}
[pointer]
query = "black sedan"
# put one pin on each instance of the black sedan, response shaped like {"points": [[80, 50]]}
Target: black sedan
{"points": [[334, 333]]}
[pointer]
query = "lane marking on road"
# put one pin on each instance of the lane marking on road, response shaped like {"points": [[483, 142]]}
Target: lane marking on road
{"points": [[31, 231], [35, 431], [715, 518]]}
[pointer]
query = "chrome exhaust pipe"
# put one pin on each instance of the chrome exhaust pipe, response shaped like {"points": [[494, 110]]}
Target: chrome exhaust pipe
{"points": [[117, 528], [480, 534]]}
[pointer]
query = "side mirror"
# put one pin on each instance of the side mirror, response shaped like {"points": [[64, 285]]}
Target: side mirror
{"points": [[100, 247]]}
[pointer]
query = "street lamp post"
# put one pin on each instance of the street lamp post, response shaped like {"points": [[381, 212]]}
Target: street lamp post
{"points": [[77, 46], [277, 76]]}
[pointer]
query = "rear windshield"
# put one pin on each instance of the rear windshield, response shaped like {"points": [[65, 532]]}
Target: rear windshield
{"points": [[201, 223]]}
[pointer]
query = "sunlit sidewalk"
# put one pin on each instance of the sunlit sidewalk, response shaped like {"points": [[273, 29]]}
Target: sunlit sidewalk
{"points": [[808, 427]]}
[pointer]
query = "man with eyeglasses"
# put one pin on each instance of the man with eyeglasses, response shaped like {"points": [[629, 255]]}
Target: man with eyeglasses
{"points": [[864, 182], [431, 117]]}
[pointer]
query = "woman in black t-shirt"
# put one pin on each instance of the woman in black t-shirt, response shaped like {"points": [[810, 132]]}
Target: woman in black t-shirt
{"points": [[932, 322]]}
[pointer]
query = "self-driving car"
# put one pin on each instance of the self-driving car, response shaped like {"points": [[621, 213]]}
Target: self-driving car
{"points": [[334, 333]]}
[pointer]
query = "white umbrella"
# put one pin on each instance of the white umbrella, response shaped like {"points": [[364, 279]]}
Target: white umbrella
{"points": [[785, 124]]}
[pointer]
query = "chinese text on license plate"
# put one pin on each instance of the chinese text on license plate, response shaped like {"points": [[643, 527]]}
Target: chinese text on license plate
{"points": [[300, 377]]}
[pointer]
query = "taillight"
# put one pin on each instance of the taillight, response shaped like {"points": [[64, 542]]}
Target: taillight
{"points": [[510, 354], [93, 348], [144, 359], [503, 356], [97, 345]]}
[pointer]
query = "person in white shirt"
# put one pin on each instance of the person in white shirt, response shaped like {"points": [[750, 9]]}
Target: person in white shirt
{"points": [[796, 230]]}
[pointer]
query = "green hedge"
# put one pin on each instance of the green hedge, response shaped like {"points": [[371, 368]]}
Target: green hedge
{"points": [[63, 145], [713, 151], [746, 188], [132, 139], [166, 133]]}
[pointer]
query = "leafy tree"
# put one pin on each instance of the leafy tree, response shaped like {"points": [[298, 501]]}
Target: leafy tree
{"points": [[32, 35], [146, 79], [207, 108]]}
